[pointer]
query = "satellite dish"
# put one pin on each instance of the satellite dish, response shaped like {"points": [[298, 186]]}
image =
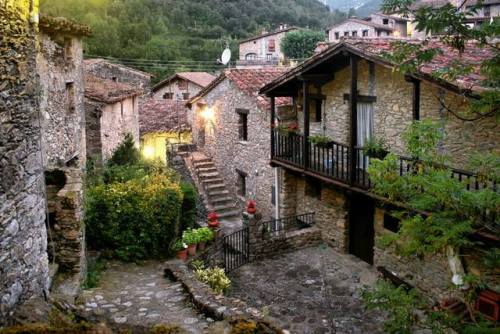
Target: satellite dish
{"points": [[226, 56]]}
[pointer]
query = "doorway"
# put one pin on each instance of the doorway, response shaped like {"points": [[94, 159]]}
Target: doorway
{"points": [[361, 229]]}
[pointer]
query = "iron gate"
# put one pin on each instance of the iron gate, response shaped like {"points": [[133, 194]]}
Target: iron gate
{"points": [[236, 250]]}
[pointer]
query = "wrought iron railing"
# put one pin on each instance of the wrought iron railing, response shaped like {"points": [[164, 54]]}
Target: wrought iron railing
{"points": [[333, 161], [276, 227]]}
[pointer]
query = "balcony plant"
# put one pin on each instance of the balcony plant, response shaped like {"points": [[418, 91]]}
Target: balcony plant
{"points": [[190, 238], [213, 220], [376, 148], [181, 250], [288, 129], [251, 207], [320, 140]]}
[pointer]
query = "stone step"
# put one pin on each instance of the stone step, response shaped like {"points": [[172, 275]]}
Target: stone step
{"points": [[201, 160], [203, 164], [220, 200], [212, 181], [206, 170], [215, 186], [223, 208], [212, 175], [217, 193], [229, 214]]}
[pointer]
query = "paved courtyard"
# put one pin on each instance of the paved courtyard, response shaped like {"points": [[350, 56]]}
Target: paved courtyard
{"points": [[139, 296], [315, 290]]}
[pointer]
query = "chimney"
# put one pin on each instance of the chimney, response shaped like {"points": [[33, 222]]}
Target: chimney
{"points": [[320, 47]]}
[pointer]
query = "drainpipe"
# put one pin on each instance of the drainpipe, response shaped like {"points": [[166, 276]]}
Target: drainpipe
{"points": [[276, 193]]}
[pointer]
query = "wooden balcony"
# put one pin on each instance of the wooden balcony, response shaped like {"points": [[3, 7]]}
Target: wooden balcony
{"points": [[334, 162]]}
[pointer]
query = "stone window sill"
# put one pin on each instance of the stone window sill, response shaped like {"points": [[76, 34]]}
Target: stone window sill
{"points": [[243, 142]]}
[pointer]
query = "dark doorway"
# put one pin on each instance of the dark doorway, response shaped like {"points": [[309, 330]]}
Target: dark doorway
{"points": [[361, 231]]}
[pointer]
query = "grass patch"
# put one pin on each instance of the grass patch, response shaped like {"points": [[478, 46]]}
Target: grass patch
{"points": [[94, 272]]}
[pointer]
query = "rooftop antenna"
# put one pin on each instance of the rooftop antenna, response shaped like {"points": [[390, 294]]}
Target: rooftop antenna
{"points": [[225, 57]]}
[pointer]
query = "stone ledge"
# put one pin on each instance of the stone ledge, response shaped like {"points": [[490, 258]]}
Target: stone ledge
{"points": [[217, 307]]}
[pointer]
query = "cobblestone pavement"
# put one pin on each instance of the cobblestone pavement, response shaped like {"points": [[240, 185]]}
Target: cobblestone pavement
{"points": [[315, 290], [134, 295]]}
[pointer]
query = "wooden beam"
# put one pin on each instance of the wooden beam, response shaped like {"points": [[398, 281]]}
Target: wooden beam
{"points": [[361, 98], [273, 117], [305, 110], [416, 100], [353, 106], [317, 78]]}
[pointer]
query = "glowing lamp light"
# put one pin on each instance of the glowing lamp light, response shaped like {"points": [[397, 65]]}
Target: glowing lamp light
{"points": [[148, 152], [208, 113]]}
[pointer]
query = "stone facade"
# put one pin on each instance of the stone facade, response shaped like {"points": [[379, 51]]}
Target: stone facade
{"points": [[264, 47], [23, 236], [60, 68], [119, 73], [357, 28], [230, 154], [181, 90]]}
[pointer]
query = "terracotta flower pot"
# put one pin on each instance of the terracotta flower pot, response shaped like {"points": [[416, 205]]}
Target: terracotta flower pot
{"points": [[213, 224], [202, 245], [251, 210], [182, 255], [192, 249]]}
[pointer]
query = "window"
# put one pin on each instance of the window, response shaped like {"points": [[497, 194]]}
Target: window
{"points": [[250, 56], [115, 79], [185, 96], [354, 33], [273, 195], [337, 35], [385, 21], [271, 46], [391, 223], [168, 96], [183, 85], [70, 97], [487, 11], [242, 124], [346, 33], [241, 183], [269, 56], [315, 110], [68, 49], [365, 33], [313, 188]]}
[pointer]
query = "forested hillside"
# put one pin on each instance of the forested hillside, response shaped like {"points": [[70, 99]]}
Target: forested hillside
{"points": [[182, 34], [362, 8]]}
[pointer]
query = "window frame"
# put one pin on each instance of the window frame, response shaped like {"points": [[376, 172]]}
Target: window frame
{"points": [[242, 124], [241, 183]]}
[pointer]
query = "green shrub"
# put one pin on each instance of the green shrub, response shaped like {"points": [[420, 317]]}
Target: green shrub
{"points": [[215, 278], [188, 217], [204, 234], [135, 219], [94, 272]]}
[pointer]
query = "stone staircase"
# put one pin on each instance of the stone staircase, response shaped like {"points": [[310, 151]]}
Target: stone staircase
{"points": [[216, 193]]}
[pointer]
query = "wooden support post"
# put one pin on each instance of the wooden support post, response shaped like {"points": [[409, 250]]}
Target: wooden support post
{"points": [[305, 109], [416, 100], [353, 106], [273, 117]]}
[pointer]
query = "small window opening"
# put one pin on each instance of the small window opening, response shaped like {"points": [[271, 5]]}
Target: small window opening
{"points": [[242, 183], [365, 33], [391, 223], [313, 188], [70, 97], [337, 35], [242, 124], [385, 21], [168, 96]]}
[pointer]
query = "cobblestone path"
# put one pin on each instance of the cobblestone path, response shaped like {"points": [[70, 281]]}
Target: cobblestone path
{"points": [[139, 296], [315, 290]]}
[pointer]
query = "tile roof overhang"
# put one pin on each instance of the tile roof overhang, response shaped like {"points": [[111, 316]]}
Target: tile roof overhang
{"points": [[336, 56], [108, 91]]}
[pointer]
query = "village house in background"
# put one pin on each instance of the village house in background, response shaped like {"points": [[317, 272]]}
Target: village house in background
{"points": [[377, 25], [229, 129], [263, 50], [111, 112], [181, 86], [162, 123], [119, 73], [60, 68], [349, 95]]}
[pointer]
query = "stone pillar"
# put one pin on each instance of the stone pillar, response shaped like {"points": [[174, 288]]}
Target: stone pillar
{"points": [[253, 222], [288, 195], [23, 236]]}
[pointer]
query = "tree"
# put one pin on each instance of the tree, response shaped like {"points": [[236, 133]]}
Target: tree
{"points": [[301, 44]]}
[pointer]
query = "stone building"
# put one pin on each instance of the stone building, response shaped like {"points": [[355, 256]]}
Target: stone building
{"points": [[105, 69], [351, 95], [60, 68], [161, 124], [264, 49], [111, 112], [182, 86], [228, 120], [377, 25]]}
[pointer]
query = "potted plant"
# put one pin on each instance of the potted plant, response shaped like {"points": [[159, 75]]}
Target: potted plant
{"points": [[320, 140], [375, 148], [205, 234], [190, 239], [288, 129], [181, 250], [251, 207], [213, 220]]}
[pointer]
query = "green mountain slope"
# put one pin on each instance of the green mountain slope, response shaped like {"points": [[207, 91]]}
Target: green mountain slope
{"points": [[182, 34]]}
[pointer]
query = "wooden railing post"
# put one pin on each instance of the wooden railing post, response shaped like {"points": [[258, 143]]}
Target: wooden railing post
{"points": [[273, 117], [305, 110], [353, 104]]}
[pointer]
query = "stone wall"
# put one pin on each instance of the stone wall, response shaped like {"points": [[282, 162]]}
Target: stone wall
{"points": [[107, 124], [259, 46], [23, 236], [106, 70], [349, 27], [173, 87], [228, 152]]}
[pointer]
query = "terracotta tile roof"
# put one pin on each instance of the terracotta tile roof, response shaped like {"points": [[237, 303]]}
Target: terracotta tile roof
{"points": [[108, 91], [202, 79], [162, 116], [373, 48], [89, 63], [249, 81]]}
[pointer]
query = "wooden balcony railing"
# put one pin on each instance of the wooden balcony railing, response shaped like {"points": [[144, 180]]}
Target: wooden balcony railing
{"points": [[333, 161]]}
